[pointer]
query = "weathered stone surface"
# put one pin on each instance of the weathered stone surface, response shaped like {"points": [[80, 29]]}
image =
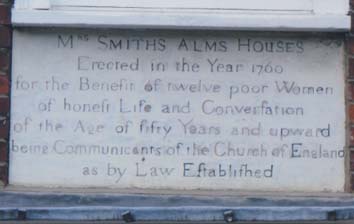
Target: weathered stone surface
{"points": [[177, 110]]}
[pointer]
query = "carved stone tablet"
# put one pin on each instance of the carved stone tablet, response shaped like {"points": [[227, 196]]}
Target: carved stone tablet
{"points": [[177, 110]]}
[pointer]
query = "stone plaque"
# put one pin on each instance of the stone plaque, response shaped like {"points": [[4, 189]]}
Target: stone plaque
{"points": [[177, 110]]}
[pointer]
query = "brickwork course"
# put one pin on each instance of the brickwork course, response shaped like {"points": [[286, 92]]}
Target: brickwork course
{"points": [[350, 94], [5, 68]]}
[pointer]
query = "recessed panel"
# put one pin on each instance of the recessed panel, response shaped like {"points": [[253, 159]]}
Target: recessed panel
{"points": [[177, 110]]}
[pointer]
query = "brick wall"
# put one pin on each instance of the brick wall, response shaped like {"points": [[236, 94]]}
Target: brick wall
{"points": [[5, 60], [350, 96]]}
